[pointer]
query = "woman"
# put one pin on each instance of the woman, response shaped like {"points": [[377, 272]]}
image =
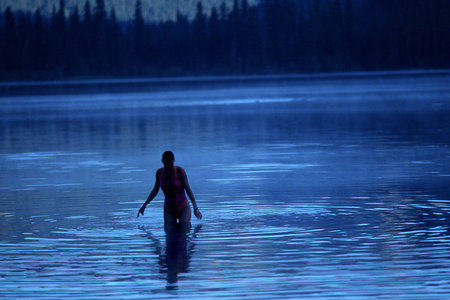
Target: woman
{"points": [[173, 181]]}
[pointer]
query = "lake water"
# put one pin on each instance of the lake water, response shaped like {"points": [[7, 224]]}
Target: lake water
{"points": [[332, 187]]}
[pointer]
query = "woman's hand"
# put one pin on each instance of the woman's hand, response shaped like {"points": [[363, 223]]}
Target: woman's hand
{"points": [[197, 213], [141, 210]]}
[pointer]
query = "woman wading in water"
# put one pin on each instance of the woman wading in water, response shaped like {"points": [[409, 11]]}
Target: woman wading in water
{"points": [[173, 181]]}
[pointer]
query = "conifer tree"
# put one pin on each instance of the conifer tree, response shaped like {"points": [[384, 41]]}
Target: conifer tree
{"points": [[75, 48], [99, 45], [139, 45], [200, 37], [9, 42], [39, 52], [88, 39]]}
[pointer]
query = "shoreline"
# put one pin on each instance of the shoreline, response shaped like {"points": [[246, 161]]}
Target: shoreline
{"points": [[181, 79], [118, 85]]}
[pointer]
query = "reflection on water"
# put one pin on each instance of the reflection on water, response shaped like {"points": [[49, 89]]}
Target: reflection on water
{"points": [[335, 193], [175, 256]]}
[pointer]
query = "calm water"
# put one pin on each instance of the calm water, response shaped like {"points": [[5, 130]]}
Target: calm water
{"points": [[330, 187]]}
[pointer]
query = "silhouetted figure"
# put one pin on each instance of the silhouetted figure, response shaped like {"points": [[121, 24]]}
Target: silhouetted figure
{"points": [[173, 181]]}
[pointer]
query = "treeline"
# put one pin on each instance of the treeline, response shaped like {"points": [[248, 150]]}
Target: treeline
{"points": [[272, 37]]}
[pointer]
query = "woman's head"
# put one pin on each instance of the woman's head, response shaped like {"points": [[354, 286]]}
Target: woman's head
{"points": [[168, 158]]}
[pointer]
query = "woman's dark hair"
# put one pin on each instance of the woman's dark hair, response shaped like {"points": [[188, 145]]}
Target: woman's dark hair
{"points": [[168, 155]]}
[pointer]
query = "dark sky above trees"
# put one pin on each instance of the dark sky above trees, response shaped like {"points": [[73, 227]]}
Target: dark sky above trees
{"points": [[275, 36]]}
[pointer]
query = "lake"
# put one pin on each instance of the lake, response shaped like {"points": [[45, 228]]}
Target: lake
{"points": [[315, 187]]}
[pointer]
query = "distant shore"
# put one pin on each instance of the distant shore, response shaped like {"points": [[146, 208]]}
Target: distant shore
{"points": [[112, 85]]}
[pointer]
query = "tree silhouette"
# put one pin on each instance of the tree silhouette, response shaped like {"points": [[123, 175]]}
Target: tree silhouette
{"points": [[38, 54], [272, 36], [88, 56], [200, 38], [99, 45]]}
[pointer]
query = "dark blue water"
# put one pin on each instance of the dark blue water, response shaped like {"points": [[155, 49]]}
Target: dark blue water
{"points": [[325, 187]]}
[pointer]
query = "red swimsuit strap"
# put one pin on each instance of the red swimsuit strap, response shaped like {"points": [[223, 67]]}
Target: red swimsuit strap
{"points": [[164, 171], [181, 206]]}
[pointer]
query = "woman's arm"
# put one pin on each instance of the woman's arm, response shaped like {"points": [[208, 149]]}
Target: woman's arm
{"points": [[153, 193], [190, 194]]}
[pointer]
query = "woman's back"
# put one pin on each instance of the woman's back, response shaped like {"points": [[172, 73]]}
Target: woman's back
{"points": [[171, 184]]}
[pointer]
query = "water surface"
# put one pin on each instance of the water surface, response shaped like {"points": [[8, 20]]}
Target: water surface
{"points": [[332, 187]]}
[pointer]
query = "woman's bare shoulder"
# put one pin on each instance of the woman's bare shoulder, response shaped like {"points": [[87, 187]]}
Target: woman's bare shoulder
{"points": [[181, 170]]}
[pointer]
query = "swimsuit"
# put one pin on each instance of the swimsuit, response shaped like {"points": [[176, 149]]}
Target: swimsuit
{"points": [[175, 198]]}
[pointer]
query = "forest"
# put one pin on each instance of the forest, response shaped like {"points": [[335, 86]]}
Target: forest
{"points": [[273, 36]]}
